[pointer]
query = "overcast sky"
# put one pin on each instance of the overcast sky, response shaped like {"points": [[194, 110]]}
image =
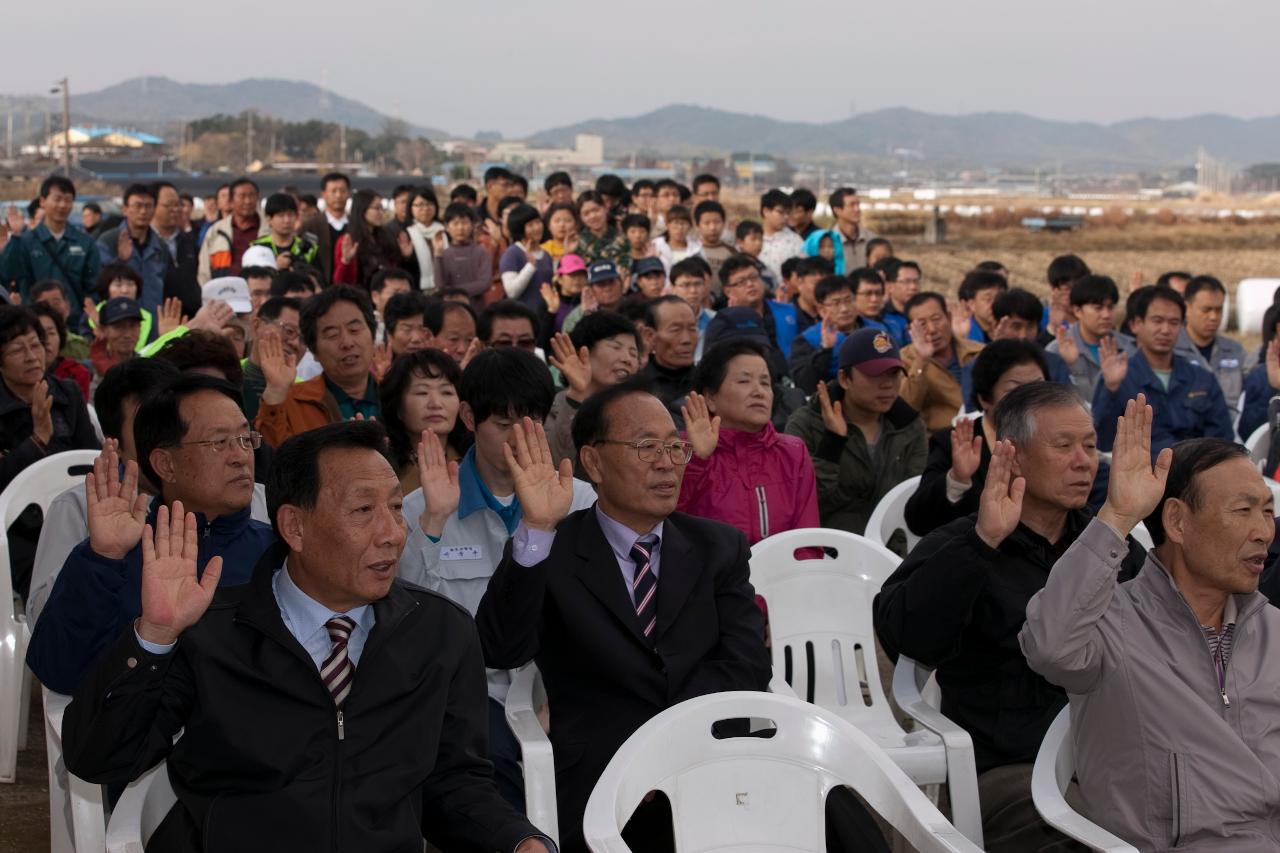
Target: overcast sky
{"points": [[524, 66]]}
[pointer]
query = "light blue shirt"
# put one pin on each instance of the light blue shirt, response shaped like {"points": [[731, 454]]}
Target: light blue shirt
{"points": [[530, 547], [305, 618]]}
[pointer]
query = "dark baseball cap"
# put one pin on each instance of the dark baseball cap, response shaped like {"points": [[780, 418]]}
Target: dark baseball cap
{"points": [[644, 266], [735, 323], [602, 271], [118, 309], [871, 351]]}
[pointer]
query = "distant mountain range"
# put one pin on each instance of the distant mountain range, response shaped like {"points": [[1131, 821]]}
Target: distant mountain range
{"points": [[150, 103], [1003, 140], [978, 140]]}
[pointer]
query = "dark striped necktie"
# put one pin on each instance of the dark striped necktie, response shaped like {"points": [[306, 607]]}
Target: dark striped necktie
{"points": [[338, 671], [644, 588]]}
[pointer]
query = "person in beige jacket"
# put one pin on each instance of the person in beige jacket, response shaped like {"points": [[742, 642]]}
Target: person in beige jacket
{"points": [[1173, 677], [934, 360]]}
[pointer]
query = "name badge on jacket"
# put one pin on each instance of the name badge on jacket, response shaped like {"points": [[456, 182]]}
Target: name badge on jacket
{"points": [[1229, 363], [462, 552]]}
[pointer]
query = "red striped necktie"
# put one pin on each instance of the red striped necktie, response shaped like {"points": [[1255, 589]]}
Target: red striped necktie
{"points": [[644, 588], [338, 671]]}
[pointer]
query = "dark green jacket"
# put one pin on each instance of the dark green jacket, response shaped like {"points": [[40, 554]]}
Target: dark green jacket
{"points": [[849, 486], [35, 256]]}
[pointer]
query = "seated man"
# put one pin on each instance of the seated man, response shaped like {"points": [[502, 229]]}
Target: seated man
{"points": [[1172, 677], [278, 318], [451, 328], [194, 444], [459, 523], [1203, 345], [337, 325], [509, 323], [813, 353], [1093, 304], [671, 333], [1017, 314], [1185, 397], [404, 320], [603, 350], [745, 288], [934, 361], [628, 607], [863, 438], [323, 705], [957, 601]]}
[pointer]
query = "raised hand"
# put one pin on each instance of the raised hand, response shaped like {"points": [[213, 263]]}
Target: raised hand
{"points": [[832, 413], [1000, 507], [42, 412], [703, 429], [589, 301], [14, 221], [1004, 328], [1273, 363], [381, 360], [1067, 346], [438, 244], [15, 297], [404, 243], [545, 491], [966, 452], [1115, 364], [90, 310], [212, 316], [173, 598], [279, 368], [1135, 280], [1136, 486], [571, 243], [124, 244], [348, 247], [961, 314], [439, 480], [116, 511], [284, 261], [574, 365], [169, 317], [830, 334], [551, 297], [473, 350], [920, 339]]}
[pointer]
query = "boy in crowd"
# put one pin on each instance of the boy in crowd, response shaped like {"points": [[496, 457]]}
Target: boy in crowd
{"points": [[637, 228], [463, 263], [749, 241], [807, 273], [800, 216], [978, 292], [282, 236], [813, 353], [709, 218], [780, 242], [1093, 301], [901, 282], [691, 281]]}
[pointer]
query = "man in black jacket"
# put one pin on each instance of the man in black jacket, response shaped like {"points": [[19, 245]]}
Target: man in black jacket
{"points": [[323, 706], [628, 607], [959, 599]]}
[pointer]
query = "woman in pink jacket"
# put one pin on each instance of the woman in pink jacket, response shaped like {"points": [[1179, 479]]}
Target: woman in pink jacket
{"points": [[743, 472]]}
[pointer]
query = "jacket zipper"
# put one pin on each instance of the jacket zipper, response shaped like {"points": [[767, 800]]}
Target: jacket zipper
{"points": [[762, 511], [337, 785]]}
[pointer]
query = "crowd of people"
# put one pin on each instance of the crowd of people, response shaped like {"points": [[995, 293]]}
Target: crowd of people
{"points": [[362, 458]]}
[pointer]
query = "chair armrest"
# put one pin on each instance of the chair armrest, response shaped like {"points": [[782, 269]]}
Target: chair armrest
{"points": [[124, 830], [779, 685], [1049, 801], [535, 751]]}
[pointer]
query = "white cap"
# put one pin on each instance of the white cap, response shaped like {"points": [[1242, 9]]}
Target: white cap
{"points": [[258, 256], [232, 290]]}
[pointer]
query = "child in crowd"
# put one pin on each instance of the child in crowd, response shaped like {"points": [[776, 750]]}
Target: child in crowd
{"points": [[709, 217], [637, 228], [463, 264], [676, 244], [750, 242]]}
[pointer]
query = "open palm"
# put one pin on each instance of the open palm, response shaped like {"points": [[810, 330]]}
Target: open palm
{"points": [[1000, 507], [1136, 486], [116, 511], [174, 597], [439, 478], [544, 489]]}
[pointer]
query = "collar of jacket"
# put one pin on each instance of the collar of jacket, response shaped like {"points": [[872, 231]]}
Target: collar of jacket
{"points": [[676, 373], [1026, 539], [738, 440], [9, 402], [233, 523], [1158, 581], [474, 495], [255, 604], [1144, 374], [900, 414]]}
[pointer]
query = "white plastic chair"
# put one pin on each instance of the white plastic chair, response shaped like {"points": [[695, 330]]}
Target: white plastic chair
{"points": [[141, 808], [69, 793], [1054, 767], [39, 484], [1259, 444], [820, 618], [524, 697], [1143, 536], [889, 514], [1253, 298], [751, 794]]}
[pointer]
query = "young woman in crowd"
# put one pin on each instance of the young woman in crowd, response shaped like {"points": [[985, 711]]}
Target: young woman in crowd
{"points": [[599, 240], [368, 246], [426, 234], [525, 267], [956, 471], [743, 472], [420, 392], [55, 338]]}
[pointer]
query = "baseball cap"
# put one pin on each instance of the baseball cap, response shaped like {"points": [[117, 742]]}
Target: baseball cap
{"points": [[258, 256], [118, 309], [232, 290], [871, 351], [602, 271], [735, 323], [644, 266], [570, 264]]}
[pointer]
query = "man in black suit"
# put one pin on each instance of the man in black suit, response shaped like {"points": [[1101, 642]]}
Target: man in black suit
{"points": [[628, 607], [323, 706]]}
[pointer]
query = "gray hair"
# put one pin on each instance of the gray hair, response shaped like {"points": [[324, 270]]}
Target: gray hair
{"points": [[1015, 414]]}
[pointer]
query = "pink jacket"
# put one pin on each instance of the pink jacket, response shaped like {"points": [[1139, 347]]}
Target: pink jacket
{"points": [[761, 483]]}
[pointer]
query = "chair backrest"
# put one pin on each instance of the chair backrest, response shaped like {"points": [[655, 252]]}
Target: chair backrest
{"points": [[140, 810], [889, 516], [820, 616], [756, 793], [69, 795], [1253, 298], [1259, 443]]}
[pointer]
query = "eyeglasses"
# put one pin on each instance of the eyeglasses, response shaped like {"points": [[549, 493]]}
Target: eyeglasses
{"points": [[288, 331], [649, 449], [835, 304], [246, 441], [750, 279]]}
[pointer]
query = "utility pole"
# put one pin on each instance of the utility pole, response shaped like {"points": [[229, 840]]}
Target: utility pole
{"points": [[248, 140], [342, 143], [65, 86]]}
